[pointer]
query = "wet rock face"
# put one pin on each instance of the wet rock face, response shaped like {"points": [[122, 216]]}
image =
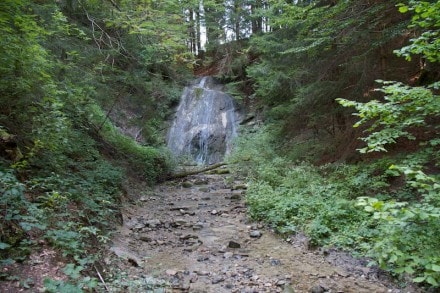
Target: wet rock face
{"points": [[205, 123]]}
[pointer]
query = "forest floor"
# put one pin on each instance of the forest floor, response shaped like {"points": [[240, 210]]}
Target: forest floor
{"points": [[193, 235]]}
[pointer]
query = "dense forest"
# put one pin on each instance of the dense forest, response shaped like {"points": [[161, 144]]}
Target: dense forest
{"points": [[340, 139]]}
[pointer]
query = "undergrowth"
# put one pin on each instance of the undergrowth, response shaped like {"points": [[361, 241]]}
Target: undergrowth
{"points": [[367, 208]]}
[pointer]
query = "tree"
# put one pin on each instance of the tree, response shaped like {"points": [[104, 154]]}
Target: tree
{"points": [[405, 111]]}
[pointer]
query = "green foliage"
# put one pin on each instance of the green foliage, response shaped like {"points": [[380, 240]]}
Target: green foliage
{"points": [[404, 108], [317, 53], [17, 217], [411, 238], [426, 17], [408, 229], [62, 64]]}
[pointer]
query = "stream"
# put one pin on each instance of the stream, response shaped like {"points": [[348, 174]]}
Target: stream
{"points": [[193, 235]]}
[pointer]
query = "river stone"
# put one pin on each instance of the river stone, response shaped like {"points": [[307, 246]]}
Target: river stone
{"points": [[228, 255], [145, 238], [233, 244], [317, 289], [153, 223], [135, 224], [201, 181], [171, 272], [255, 234], [187, 184], [217, 279], [239, 186], [180, 222]]}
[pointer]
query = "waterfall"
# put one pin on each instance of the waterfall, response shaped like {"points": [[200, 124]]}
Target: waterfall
{"points": [[205, 123]]}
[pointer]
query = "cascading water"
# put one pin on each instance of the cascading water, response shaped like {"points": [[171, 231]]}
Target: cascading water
{"points": [[205, 123]]}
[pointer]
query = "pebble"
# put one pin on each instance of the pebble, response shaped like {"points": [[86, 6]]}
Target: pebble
{"points": [[317, 289], [201, 258], [197, 226], [228, 255], [171, 272], [217, 279], [145, 238], [233, 244], [255, 234], [153, 223]]}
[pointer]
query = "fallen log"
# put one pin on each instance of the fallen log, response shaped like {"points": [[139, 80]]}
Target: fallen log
{"points": [[193, 172]]}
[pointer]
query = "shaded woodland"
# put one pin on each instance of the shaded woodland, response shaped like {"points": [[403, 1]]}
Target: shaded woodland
{"points": [[340, 139]]}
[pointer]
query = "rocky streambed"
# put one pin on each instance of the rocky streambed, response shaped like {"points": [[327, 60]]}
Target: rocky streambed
{"points": [[194, 236]]}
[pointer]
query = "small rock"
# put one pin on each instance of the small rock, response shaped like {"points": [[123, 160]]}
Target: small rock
{"points": [[275, 262], [318, 289], [202, 258], [193, 278], [180, 222], [135, 224], [255, 234], [280, 283], [217, 279], [153, 223], [171, 272], [288, 289], [197, 226], [187, 184], [188, 236], [233, 244], [145, 238], [214, 212], [228, 255], [202, 273], [239, 186], [235, 196], [179, 208], [201, 182]]}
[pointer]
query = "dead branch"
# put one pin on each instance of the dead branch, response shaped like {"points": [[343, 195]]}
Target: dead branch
{"points": [[188, 173]]}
